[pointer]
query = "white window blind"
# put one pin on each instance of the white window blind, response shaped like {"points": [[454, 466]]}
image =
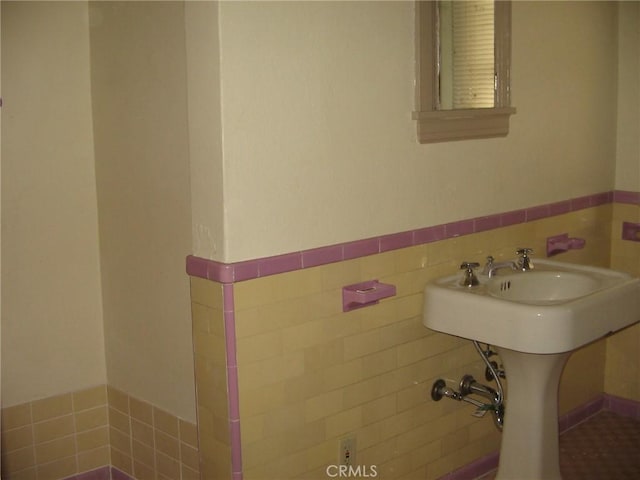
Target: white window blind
{"points": [[473, 54]]}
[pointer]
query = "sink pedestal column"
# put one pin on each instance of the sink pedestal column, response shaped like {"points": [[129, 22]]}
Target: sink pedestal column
{"points": [[530, 449]]}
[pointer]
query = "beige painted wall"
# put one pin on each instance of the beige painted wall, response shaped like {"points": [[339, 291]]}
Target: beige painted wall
{"points": [[318, 142], [138, 77], [628, 132], [205, 128], [51, 305], [54, 333]]}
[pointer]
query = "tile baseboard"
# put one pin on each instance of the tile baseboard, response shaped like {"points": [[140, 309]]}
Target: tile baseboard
{"points": [[102, 473], [603, 402]]}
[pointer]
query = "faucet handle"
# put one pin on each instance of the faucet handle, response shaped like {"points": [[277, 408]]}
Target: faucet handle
{"points": [[469, 265], [469, 279], [524, 262]]}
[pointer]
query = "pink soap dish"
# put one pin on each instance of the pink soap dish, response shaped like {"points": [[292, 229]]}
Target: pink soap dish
{"points": [[562, 243], [365, 294], [631, 231]]}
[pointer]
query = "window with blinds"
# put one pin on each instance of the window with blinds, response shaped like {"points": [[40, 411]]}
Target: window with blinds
{"points": [[463, 65], [467, 54]]}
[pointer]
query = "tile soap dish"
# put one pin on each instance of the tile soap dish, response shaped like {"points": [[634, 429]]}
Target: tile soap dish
{"points": [[365, 294], [631, 231], [562, 243]]}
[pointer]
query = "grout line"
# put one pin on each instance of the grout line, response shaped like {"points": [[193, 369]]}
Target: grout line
{"points": [[33, 439], [75, 433]]}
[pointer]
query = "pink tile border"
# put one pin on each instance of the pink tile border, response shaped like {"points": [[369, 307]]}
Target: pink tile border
{"points": [[621, 196], [233, 389], [622, 406], [262, 267], [581, 413], [118, 475], [474, 469]]}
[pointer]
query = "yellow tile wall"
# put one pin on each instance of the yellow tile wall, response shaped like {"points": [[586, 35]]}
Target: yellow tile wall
{"points": [[211, 378], [60, 436], [56, 437], [149, 443], [622, 366], [310, 374]]}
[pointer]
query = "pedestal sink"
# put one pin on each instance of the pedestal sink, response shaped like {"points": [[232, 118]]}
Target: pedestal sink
{"points": [[535, 319]]}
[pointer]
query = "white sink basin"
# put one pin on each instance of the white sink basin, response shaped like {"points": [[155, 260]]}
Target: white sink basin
{"points": [[536, 319], [543, 287], [554, 308]]}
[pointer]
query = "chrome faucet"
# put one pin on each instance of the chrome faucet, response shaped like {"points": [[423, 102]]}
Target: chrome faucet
{"points": [[469, 278], [524, 262], [490, 268]]}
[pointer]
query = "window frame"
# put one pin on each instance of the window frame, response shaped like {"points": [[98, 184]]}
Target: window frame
{"points": [[435, 125]]}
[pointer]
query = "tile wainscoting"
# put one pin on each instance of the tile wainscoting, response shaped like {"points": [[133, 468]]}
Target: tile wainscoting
{"points": [[80, 434], [300, 374]]}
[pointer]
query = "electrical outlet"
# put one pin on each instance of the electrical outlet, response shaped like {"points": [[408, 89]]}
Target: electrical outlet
{"points": [[348, 451]]}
